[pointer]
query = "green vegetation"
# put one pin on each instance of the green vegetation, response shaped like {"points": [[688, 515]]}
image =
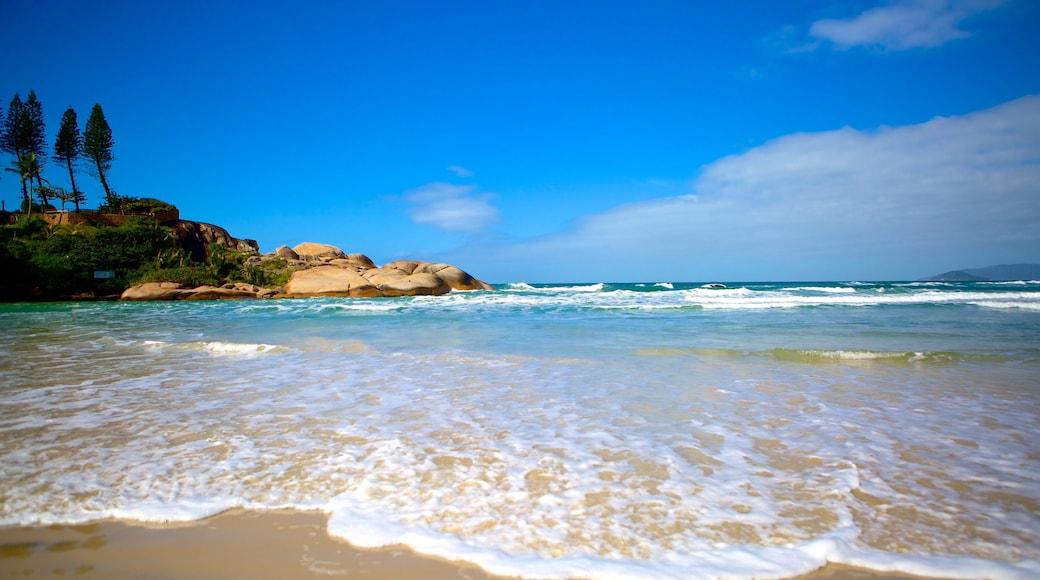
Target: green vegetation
{"points": [[42, 261]]}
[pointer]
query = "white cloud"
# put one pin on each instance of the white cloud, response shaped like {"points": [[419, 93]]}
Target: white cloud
{"points": [[896, 202], [460, 171], [903, 25], [454, 208]]}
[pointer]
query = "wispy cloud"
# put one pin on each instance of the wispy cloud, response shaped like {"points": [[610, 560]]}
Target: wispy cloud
{"points": [[902, 25], [895, 201], [453, 208], [460, 171]]}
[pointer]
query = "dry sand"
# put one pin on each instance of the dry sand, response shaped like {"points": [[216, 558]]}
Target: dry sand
{"points": [[237, 544]]}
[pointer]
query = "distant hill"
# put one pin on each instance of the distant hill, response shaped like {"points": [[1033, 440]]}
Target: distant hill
{"points": [[991, 274]]}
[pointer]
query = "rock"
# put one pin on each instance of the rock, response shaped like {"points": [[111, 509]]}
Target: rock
{"points": [[174, 291], [454, 277], [313, 250], [362, 260], [355, 275], [324, 270], [196, 237], [153, 291], [214, 293], [287, 253], [393, 282], [330, 281]]}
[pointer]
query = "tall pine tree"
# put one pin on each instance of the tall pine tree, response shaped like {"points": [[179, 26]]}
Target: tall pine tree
{"points": [[13, 140], [11, 136], [35, 133], [97, 147], [23, 133], [67, 147]]}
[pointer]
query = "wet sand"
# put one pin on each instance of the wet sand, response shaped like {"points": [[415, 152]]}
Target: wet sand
{"points": [[239, 544]]}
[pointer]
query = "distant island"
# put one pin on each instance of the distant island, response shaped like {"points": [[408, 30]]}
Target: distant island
{"points": [[1001, 273]]}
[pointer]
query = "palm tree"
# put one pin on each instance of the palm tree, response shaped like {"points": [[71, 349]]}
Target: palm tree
{"points": [[65, 196], [27, 167]]}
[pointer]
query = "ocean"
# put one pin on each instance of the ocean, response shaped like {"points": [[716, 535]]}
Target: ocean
{"points": [[657, 430]]}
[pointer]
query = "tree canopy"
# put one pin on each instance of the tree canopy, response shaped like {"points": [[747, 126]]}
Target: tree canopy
{"points": [[98, 145], [67, 147]]}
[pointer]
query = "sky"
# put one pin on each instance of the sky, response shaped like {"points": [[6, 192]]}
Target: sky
{"points": [[574, 141]]}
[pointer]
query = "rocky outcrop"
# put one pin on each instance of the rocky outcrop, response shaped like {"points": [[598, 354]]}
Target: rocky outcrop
{"points": [[310, 250], [196, 237], [287, 253], [452, 276], [330, 281], [356, 275], [331, 272], [174, 291], [325, 270]]}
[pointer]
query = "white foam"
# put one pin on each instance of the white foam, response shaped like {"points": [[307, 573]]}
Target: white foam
{"points": [[1020, 305], [234, 348], [594, 465], [824, 289]]}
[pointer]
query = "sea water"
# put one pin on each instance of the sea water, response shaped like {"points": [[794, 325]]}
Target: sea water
{"points": [[657, 430]]}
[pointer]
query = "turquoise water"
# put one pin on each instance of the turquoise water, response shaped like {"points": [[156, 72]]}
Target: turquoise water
{"points": [[608, 431]]}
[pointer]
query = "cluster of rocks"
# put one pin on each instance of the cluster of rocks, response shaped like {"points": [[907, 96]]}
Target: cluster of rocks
{"points": [[175, 291], [325, 270]]}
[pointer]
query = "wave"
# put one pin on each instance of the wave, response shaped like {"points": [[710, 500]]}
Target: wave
{"points": [[602, 296], [824, 289], [816, 356], [525, 287], [220, 348], [1007, 305]]}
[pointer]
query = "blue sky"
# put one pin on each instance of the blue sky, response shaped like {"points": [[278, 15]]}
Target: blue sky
{"points": [[567, 141]]}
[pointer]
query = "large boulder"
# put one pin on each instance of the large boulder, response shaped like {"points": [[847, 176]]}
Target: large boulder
{"points": [[287, 253], [454, 277], [355, 275], [330, 281], [153, 291], [393, 282], [317, 251], [175, 291], [196, 238]]}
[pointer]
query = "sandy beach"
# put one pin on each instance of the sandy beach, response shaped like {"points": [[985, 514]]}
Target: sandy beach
{"points": [[237, 544]]}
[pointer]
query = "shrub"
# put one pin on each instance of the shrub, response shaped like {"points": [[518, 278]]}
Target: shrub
{"points": [[198, 275]]}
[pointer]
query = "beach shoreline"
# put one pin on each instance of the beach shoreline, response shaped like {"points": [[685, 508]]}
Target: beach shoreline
{"points": [[243, 543]]}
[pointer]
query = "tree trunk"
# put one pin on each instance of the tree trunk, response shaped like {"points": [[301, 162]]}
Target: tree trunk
{"points": [[104, 183], [25, 195], [72, 178]]}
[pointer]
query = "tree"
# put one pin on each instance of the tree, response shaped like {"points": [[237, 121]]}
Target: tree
{"points": [[35, 130], [45, 193], [11, 136], [27, 167], [65, 196], [97, 145], [24, 133], [67, 147]]}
